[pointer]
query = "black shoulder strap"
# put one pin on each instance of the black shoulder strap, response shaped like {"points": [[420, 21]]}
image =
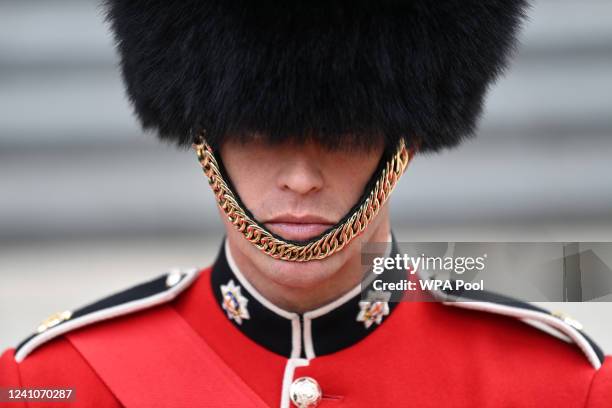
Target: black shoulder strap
{"points": [[143, 296], [570, 329], [555, 323]]}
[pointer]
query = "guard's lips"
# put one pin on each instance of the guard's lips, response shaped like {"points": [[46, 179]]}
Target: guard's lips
{"points": [[298, 228]]}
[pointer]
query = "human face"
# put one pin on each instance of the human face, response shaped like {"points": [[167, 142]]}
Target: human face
{"points": [[297, 192]]}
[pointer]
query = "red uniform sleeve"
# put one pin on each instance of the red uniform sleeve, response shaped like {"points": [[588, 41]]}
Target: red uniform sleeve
{"points": [[9, 376], [600, 394], [56, 364]]}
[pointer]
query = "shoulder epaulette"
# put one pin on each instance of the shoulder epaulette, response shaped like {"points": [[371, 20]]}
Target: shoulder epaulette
{"points": [[143, 296], [556, 324]]}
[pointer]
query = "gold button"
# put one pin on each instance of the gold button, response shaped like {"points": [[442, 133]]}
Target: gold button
{"points": [[305, 392], [54, 320]]}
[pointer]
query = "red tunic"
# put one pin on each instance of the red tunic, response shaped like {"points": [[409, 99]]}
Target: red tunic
{"points": [[421, 355]]}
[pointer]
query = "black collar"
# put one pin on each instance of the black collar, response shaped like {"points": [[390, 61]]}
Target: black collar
{"points": [[325, 330]]}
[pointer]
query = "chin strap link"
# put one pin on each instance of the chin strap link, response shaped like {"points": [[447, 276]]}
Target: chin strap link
{"points": [[330, 243]]}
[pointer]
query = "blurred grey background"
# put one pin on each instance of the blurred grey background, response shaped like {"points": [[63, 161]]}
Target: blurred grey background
{"points": [[89, 204]]}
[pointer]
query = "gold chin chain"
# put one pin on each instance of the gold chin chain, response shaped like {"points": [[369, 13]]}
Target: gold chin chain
{"points": [[330, 243]]}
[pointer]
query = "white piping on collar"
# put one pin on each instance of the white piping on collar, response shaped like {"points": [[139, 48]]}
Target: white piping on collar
{"points": [[296, 329], [108, 313], [313, 314], [244, 282], [296, 326]]}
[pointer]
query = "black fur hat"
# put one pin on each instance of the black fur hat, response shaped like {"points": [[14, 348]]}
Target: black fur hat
{"points": [[342, 72]]}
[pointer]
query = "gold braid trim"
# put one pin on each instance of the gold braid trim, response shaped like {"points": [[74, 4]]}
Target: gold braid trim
{"points": [[330, 243]]}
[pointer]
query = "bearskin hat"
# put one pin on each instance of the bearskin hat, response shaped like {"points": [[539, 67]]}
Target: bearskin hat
{"points": [[341, 72]]}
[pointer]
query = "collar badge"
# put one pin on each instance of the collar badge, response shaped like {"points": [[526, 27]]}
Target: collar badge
{"points": [[234, 304], [374, 309]]}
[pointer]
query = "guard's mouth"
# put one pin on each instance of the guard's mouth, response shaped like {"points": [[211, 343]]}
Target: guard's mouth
{"points": [[298, 228]]}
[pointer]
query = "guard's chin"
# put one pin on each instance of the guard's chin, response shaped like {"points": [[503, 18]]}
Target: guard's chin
{"points": [[303, 274]]}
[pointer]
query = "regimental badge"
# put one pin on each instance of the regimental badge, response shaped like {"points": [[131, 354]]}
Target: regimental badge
{"points": [[375, 309], [234, 303]]}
